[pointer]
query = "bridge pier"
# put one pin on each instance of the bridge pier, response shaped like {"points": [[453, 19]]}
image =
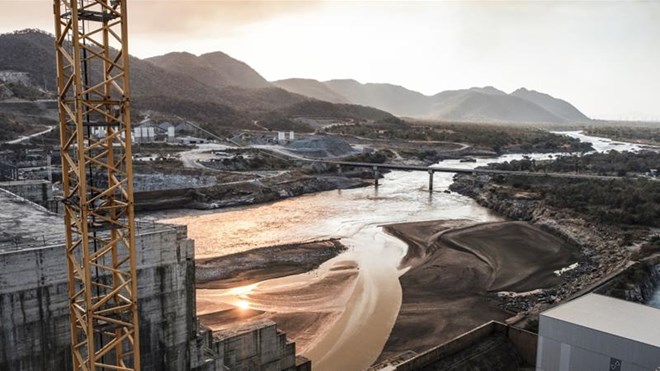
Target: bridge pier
{"points": [[376, 175], [430, 180]]}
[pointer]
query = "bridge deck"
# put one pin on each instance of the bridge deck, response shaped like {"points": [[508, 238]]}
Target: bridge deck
{"points": [[438, 169]]}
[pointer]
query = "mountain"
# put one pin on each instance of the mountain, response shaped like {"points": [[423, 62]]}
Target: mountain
{"points": [[558, 107], [217, 91], [30, 51], [479, 104], [387, 97], [311, 88], [475, 105], [214, 69], [222, 91]]}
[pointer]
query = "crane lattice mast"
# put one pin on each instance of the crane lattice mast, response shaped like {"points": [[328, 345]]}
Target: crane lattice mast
{"points": [[97, 181]]}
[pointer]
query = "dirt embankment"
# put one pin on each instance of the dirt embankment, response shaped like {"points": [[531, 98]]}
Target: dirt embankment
{"points": [[601, 249], [463, 275], [244, 288], [242, 192], [264, 263]]}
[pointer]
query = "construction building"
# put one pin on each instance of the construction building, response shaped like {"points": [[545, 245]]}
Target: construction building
{"points": [[597, 332], [34, 303]]}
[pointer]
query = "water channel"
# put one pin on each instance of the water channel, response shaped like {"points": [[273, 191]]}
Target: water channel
{"points": [[366, 314]]}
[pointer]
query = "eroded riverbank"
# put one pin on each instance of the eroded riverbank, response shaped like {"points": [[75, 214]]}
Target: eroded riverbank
{"points": [[449, 267], [457, 269]]}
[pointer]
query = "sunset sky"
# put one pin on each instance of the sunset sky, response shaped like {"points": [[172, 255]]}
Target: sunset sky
{"points": [[604, 57]]}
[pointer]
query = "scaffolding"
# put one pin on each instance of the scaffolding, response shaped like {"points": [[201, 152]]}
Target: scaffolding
{"points": [[93, 94]]}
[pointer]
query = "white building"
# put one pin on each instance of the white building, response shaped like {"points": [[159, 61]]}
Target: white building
{"points": [[597, 332], [190, 140]]}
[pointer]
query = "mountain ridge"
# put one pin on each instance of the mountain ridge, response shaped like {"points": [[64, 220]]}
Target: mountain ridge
{"points": [[224, 81], [482, 104]]}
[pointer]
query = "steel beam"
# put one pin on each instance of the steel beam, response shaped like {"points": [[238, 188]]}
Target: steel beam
{"points": [[97, 181]]}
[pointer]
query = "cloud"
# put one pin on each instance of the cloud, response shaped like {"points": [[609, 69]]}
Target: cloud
{"points": [[184, 18], [195, 18]]}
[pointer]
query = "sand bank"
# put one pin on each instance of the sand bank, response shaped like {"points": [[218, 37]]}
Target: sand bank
{"points": [[456, 270]]}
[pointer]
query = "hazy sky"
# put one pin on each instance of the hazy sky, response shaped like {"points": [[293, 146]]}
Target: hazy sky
{"points": [[604, 57]]}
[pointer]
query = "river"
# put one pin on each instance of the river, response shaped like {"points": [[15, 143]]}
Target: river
{"points": [[367, 314], [655, 300]]}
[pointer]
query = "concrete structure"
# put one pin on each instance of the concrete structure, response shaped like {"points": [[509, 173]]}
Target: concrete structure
{"points": [[37, 191], [144, 134], [493, 346], [8, 172], [171, 133], [597, 332], [190, 140], [15, 77], [258, 345], [34, 310]]}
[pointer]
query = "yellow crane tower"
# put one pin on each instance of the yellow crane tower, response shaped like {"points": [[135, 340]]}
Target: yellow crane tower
{"points": [[97, 181]]}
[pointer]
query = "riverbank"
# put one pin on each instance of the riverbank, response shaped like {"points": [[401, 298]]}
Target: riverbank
{"points": [[242, 193], [602, 249], [451, 268], [462, 275]]}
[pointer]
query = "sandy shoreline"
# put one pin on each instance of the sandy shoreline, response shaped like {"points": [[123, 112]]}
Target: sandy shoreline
{"points": [[454, 270]]}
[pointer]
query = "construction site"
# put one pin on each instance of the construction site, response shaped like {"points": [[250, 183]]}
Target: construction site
{"points": [[69, 290], [115, 255]]}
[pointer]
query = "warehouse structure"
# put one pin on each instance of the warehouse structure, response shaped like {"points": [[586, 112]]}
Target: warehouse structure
{"points": [[597, 332]]}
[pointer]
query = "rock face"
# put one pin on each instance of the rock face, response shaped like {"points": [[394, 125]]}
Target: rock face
{"points": [[600, 249], [637, 284], [321, 146]]}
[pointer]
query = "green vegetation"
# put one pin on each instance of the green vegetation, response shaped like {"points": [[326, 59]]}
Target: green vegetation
{"points": [[651, 247], [278, 121], [377, 157], [635, 283], [10, 128], [498, 138], [611, 163], [649, 135], [27, 92], [614, 201], [317, 108]]}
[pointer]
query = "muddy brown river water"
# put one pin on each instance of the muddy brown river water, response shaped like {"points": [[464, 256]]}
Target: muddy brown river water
{"points": [[348, 327]]}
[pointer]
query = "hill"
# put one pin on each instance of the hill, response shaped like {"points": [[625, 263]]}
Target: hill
{"points": [[486, 104], [311, 88], [475, 105], [387, 97], [317, 108], [232, 94], [215, 90], [558, 107], [214, 69]]}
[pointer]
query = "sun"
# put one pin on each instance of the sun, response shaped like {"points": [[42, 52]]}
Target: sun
{"points": [[243, 304]]}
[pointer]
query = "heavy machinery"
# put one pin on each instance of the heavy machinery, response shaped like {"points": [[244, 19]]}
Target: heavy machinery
{"points": [[95, 134]]}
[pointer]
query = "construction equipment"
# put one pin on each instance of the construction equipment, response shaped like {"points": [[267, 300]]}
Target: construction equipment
{"points": [[97, 180]]}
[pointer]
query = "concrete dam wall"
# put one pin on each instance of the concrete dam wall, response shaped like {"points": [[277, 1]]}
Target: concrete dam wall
{"points": [[34, 308], [34, 302]]}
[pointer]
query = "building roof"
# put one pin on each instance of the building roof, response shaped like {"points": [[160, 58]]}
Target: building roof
{"points": [[613, 316], [24, 224]]}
